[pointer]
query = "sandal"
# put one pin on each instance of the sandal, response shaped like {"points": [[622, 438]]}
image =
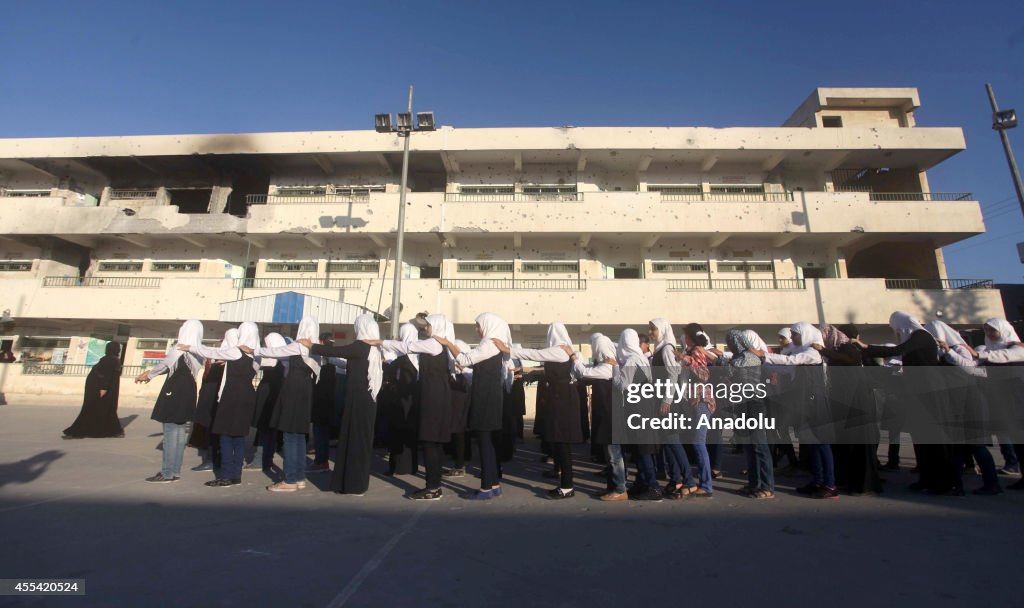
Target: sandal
{"points": [[762, 494], [698, 493]]}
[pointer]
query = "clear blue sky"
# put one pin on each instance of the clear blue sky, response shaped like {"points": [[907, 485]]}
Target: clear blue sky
{"points": [[108, 68]]}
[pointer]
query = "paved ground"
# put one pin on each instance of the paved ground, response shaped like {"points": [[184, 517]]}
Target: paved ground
{"points": [[79, 509]]}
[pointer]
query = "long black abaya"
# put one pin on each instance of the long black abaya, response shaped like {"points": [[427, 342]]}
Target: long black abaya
{"points": [[98, 417]]}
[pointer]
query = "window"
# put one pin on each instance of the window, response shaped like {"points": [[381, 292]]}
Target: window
{"points": [[311, 191], [368, 266], [487, 189], [150, 344], [357, 191], [15, 266], [675, 189], [626, 273], [738, 189], [120, 267], [679, 266], [832, 121], [745, 267], [430, 272], [30, 342], [292, 266], [485, 266], [174, 267], [551, 266], [553, 189]]}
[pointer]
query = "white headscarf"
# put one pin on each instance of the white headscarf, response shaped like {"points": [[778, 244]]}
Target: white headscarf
{"points": [[493, 326], [1006, 334], [629, 354], [809, 335], [601, 348], [367, 329], [441, 326], [753, 340], [309, 329], [271, 340], [558, 335], [786, 333], [941, 331], [665, 334], [408, 333], [904, 324], [191, 334]]}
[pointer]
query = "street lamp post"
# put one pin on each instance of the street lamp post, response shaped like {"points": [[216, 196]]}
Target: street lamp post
{"points": [[404, 128], [1001, 121]]}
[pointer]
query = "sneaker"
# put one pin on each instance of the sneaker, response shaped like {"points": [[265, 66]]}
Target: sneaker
{"points": [[206, 466], [496, 491], [217, 483], [319, 468], [300, 484], [159, 478], [283, 487], [614, 497], [561, 494], [1009, 471], [455, 473], [651, 494], [427, 495], [825, 492], [481, 495]]}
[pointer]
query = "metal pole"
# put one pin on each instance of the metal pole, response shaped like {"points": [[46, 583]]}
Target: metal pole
{"points": [[396, 292], [1014, 173]]}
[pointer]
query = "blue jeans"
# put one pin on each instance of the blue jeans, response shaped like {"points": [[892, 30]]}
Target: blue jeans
{"points": [[677, 463], [1010, 456], [321, 443], [760, 473], [175, 436], [616, 468], [822, 465], [646, 471], [294, 457], [700, 448], [232, 455], [268, 445]]}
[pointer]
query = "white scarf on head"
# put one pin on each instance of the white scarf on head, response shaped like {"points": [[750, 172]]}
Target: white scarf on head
{"points": [[309, 329], [191, 334], [904, 324], [367, 329], [493, 326], [441, 326], [941, 331], [271, 340], [629, 353], [558, 335], [1006, 334], [665, 334], [408, 333], [601, 348]]}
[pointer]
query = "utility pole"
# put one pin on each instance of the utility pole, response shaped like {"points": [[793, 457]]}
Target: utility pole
{"points": [[1001, 121]]}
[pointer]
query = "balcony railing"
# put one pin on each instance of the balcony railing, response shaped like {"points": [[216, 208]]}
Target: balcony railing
{"points": [[63, 369], [115, 282], [132, 195], [731, 197], [939, 284], [733, 284], [278, 199], [921, 196], [313, 283], [511, 197], [538, 284]]}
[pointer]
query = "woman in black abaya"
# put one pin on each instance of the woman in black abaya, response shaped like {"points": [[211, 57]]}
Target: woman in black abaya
{"points": [[98, 417]]}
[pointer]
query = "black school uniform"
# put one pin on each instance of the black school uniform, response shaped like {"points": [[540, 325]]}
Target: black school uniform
{"points": [[295, 401], [177, 401], [237, 402]]}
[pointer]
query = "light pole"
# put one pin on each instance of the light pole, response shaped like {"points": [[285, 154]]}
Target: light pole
{"points": [[1001, 121], [404, 128]]}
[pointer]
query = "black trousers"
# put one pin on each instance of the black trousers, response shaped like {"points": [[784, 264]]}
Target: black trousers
{"points": [[488, 460], [432, 462], [562, 453]]}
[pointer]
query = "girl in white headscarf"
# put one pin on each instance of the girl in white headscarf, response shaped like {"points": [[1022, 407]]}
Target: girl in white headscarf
{"points": [[236, 399], [817, 426], [666, 358], [600, 377], [1002, 345], [365, 376], [176, 405], [266, 398], [785, 340], [436, 370], [561, 424], [487, 393], [202, 436], [292, 413]]}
